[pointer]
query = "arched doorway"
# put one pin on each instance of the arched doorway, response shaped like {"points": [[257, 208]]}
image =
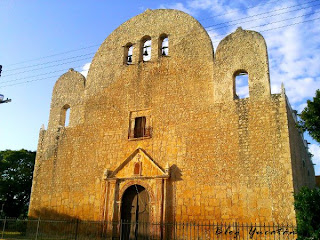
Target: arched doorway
{"points": [[135, 213]]}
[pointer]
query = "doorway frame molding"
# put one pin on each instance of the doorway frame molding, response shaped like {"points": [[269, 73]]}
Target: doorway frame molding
{"points": [[115, 183], [157, 191], [115, 188]]}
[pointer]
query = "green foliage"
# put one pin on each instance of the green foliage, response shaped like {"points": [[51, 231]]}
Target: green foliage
{"points": [[16, 170], [307, 205], [310, 117]]}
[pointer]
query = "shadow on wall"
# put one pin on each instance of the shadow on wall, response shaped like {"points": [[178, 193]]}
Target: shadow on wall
{"points": [[62, 226], [53, 225], [52, 221], [175, 173], [175, 176], [45, 213]]}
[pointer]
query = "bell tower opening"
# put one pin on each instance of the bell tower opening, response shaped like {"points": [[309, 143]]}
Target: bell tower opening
{"points": [[135, 212], [241, 84]]}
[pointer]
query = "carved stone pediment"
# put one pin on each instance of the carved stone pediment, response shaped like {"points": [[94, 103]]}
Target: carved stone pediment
{"points": [[139, 165]]}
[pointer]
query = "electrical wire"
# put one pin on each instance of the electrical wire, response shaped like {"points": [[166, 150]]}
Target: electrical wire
{"points": [[310, 20], [284, 20], [40, 64], [74, 50], [259, 18], [88, 54], [41, 79], [56, 54], [46, 73], [30, 70], [261, 3], [94, 52], [213, 42]]}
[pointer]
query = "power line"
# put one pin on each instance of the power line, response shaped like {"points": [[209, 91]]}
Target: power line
{"points": [[266, 3], [205, 27], [35, 80], [41, 79], [290, 25], [275, 27], [46, 73], [283, 20], [40, 64], [30, 70], [261, 17], [79, 49], [57, 54], [215, 41]]}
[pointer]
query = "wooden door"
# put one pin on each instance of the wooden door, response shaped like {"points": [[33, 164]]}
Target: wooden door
{"points": [[135, 213]]}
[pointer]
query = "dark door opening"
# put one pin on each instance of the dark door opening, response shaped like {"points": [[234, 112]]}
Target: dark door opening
{"points": [[135, 213]]}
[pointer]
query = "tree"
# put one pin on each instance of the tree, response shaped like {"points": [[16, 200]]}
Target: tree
{"points": [[310, 117], [307, 205], [16, 170]]}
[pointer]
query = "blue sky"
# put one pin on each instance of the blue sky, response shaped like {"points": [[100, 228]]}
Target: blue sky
{"points": [[40, 40]]}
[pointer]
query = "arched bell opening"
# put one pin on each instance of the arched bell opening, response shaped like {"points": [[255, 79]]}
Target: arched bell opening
{"points": [[128, 54], [240, 84], [163, 45], [135, 212], [145, 49]]}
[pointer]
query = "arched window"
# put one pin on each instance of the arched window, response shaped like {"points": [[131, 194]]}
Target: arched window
{"points": [[241, 84], [163, 45], [137, 168], [128, 51], [65, 115], [146, 48]]}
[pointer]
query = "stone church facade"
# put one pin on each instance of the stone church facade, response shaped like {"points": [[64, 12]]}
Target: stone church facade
{"points": [[157, 132]]}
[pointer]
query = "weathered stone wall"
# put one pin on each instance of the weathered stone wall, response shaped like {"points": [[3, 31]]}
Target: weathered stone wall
{"points": [[228, 159], [302, 166]]}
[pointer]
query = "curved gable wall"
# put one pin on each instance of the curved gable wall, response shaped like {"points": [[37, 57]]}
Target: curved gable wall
{"points": [[188, 40], [69, 90], [241, 50]]}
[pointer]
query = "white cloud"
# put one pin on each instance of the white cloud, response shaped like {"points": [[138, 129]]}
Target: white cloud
{"points": [[299, 89], [214, 37], [217, 9], [315, 150], [85, 69], [178, 6], [201, 4], [300, 107]]}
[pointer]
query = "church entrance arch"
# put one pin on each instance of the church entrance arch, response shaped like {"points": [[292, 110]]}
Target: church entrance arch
{"points": [[135, 209]]}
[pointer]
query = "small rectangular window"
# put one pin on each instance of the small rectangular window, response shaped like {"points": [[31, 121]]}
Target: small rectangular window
{"points": [[139, 127]]}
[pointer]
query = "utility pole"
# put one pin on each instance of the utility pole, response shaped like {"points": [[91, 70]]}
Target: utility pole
{"points": [[2, 100]]}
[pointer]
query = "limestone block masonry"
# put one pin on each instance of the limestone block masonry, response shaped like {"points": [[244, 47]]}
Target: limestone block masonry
{"points": [[170, 126]]}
